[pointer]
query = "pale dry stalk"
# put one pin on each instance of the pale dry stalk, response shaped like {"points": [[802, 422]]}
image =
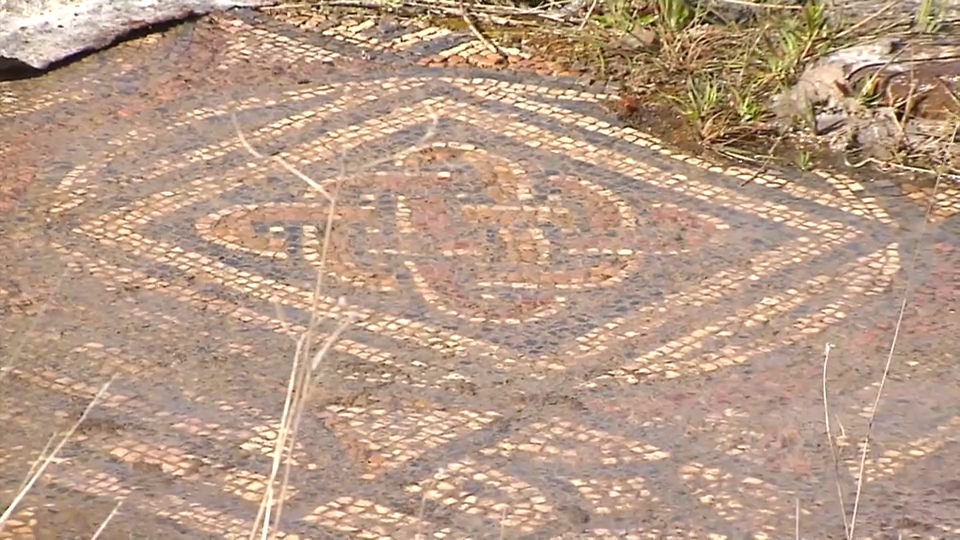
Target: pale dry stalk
{"points": [[831, 442], [103, 526], [851, 533], [305, 362]]}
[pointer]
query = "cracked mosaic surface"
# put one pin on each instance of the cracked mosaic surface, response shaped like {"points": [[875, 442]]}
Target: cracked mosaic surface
{"points": [[564, 328]]}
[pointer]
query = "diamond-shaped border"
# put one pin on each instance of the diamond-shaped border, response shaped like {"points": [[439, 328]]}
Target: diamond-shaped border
{"points": [[818, 235]]}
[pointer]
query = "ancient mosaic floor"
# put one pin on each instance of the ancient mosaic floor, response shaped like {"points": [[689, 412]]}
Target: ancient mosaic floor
{"points": [[563, 328]]}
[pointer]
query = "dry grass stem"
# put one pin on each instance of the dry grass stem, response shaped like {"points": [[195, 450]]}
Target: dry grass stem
{"points": [[279, 160], [831, 442], [44, 461], [305, 362], [889, 361], [589, 15], [796, 527], [476, 31], [299, 405], [106, 521], [423, 511]]}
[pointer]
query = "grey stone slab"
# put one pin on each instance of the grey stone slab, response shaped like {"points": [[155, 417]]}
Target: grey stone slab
{"points": [[41, 32]]}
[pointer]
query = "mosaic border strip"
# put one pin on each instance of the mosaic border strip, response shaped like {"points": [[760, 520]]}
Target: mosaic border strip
{"points": [[739, 200]]}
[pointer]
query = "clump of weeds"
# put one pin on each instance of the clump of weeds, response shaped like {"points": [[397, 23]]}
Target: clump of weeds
{"points": [[703, 73], [711, 77]]}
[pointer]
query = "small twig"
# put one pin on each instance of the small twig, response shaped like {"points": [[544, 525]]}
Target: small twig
{"points": [[106, 521], [263, 512], [796, 528], [589, 14], [908, 102], [304, 363], [856, 165], [303, 395], [450, 7], [889, 361], [476, 31], [887, 165], [290, 168], [35, 464], [423, 509], [765, 165], [830, 440]]}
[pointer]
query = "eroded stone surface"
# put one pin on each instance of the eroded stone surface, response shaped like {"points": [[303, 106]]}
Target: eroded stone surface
{"points": [[878, 98], [41, 32], [563, 328]]}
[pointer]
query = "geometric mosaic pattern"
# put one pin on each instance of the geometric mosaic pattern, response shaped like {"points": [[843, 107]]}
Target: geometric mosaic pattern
{"points": [[564, 328]]}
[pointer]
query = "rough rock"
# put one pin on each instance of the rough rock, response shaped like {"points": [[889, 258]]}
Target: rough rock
{"points": [[881, 98], [40, 32], [841, 11]]}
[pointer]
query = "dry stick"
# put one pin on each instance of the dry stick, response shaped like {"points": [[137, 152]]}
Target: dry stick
{"points": [[765, 164], [306, 379], [831, 443], [300, 380], [282, 317], [589, 14], [908, 104], [38, 472], [263, 512], [282, 446], [36, 463], [290, 168], [303, 393], [327, 234], [423, 510], [103, 525], [476, 31], [796, 528], [290, 427], [888, 165], [288, 6], [886, 367], [286, 441], [303, 344], [266, 502]]}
